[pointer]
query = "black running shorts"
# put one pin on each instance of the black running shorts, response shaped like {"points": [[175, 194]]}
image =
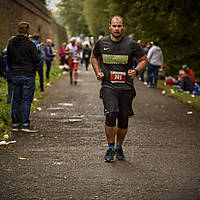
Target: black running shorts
{"points": [[116, 100]]}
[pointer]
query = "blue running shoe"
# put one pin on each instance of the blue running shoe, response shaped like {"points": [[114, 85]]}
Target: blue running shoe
{"points": [[109, 154], [119, 153]]}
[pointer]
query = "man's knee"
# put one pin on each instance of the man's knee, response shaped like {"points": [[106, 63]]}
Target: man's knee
{"points": [[111, 119]]}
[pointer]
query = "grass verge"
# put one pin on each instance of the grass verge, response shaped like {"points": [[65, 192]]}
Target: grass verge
{"points": [[193, 100], [5, 119]]}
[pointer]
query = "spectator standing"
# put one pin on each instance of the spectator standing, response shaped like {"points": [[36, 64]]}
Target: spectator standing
{"points": [[155, 58], [86, 56], [8, 73], [8, 77], [146, 49], [23, 59], [39, 47], [55, 51], [62, 53], [48, 56]]}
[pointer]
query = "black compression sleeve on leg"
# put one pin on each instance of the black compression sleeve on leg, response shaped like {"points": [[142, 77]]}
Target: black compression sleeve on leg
{"points": [[111, 119], [122, 121]]}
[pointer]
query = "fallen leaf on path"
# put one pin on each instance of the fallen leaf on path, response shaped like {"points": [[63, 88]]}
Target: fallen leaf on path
{"points": [[20, 158]]}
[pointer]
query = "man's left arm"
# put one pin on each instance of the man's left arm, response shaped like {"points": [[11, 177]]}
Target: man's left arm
{"points": [[140, 67]]}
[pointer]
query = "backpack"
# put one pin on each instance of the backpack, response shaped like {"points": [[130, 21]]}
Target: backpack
{"points": [[3, 71]]}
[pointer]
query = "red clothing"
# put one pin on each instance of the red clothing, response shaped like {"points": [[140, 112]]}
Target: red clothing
{"points": [[62, 51], [191, 75]]}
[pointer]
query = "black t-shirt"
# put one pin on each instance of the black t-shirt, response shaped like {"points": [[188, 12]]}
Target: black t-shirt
{"points": [[116, 58]]}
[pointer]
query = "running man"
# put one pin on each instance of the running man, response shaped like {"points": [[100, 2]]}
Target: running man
{"points": [[72, 50], [112, 61]]}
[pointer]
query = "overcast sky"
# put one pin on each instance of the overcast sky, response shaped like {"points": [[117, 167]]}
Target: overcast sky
{"points": [[51, 4]]}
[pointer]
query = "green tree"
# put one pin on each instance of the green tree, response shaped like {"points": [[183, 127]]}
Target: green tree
{"points": [[71, 15], [174, 24], [96, 16]]}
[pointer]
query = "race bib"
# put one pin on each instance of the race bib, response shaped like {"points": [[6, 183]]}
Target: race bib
{"points": [[86, 56], [117, 77]]}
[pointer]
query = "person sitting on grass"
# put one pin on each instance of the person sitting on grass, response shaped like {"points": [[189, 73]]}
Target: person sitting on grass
{"points": [[185, 82], [190, 73]]}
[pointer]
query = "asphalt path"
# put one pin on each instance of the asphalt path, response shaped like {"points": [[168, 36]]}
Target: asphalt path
{"points": [[65, 159]]}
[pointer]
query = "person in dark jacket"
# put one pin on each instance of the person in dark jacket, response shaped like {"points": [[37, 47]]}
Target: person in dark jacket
{"points": [[23, 59], [48, 56], [186, 84], [39, 46], [86, 56]]}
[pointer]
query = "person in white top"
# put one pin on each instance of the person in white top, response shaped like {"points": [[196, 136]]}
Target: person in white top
{"points": [[72, 50]]}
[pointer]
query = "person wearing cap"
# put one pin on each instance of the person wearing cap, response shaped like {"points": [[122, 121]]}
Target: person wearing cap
{"points": [[189, 72], [73, 52]]}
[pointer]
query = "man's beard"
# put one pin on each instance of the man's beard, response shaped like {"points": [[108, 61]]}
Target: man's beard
{"points": [[117, 36]]}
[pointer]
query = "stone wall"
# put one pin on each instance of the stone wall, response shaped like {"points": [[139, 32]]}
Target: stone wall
{"points": [[32, 11]]}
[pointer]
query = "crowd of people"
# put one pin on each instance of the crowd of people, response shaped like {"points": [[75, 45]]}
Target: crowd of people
{"points": [[24, 56], [155, 63], [116, 61], [185, 81]]}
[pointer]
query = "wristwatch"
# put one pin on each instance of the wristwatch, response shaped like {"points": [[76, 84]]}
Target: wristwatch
{"points": [[137, 72]]}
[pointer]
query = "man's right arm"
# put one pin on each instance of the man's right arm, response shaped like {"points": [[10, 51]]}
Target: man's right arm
{"points": [[95, 64]]}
